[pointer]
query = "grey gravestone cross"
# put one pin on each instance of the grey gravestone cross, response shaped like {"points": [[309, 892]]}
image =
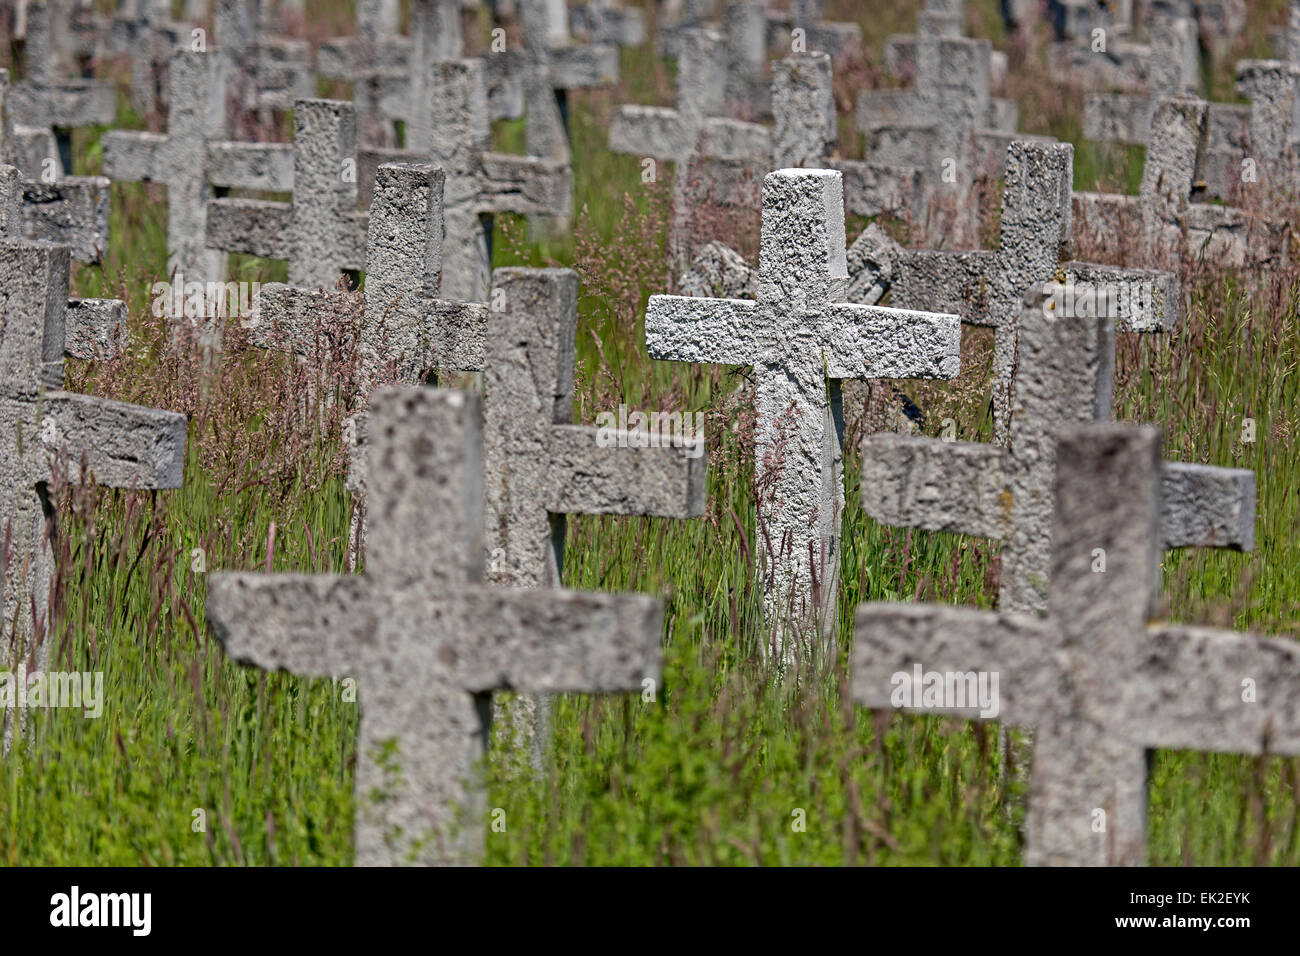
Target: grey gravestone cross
{"points": [[31, 148], [540, 466], [805, 135], [479, 183], [45, 100], [1252, 144], [125, 446], [145, 31], [1164, 214], [987, 288], [691, 133], [318, 231], [93, 328], [179, 160], [1063, 377], [1126, 117], [426, 641], [405, 321], [1098, 682], [831, 37], [675, 18], [802, 339]]}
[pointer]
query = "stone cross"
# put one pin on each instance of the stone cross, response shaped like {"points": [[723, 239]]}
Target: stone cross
{"points": [[178, 160], [541, 467], [675, 18], [819, 34], [1063, 377], [265, 72], [93, 328], [479, 182], [1097, 680], [801, 339], [1164, 214], [318, 230], [805, 135], [1126, 117], [1252, 144], [406, 324], [45, 100], [44, 427], [716, 157], [987, 287], [146, 32], [425, 640], [31, 148], [72, 211], [950, 126]]}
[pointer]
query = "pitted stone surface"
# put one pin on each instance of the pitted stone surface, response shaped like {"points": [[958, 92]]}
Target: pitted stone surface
{"points": [[801, 337], [425, 639], [1064, 377], [718, 272], [1098, 682]]}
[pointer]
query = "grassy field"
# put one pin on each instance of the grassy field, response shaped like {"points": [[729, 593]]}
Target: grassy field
{"points": [[723, 766]]}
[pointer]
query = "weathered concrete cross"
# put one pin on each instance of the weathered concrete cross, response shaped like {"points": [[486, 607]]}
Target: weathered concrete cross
{"points": [[31, 148], [608, 21], [1126, 117], [93, 328], [802, 338], [1164, 214], [426, 641], [146, 32], [318, 231], [44, 99], [178, 159], [265, 72], [406, 324], [835, 38], [987, 288], [479, 182], [1098, 682], [1063, 377], [125, 446]]}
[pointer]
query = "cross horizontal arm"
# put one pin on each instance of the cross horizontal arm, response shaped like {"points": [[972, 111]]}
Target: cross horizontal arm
{"points": [[612, 474], [579, 67], [927, 483], [1118, 118], [653, 131], [526, 184], [866, 341], [1206, 689], [891, 639], [288, 318], [264, 166], [957, 282], [688, 329], [72, 211], [557, 641], [1204, 506], [252, 226], [126, 446], [316, 625], [134, 156], [1143, 300], [872, 189], [461, 333]]}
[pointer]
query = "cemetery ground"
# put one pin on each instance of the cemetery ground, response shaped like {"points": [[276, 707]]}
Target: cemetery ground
{"points": [[199, 761]]}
